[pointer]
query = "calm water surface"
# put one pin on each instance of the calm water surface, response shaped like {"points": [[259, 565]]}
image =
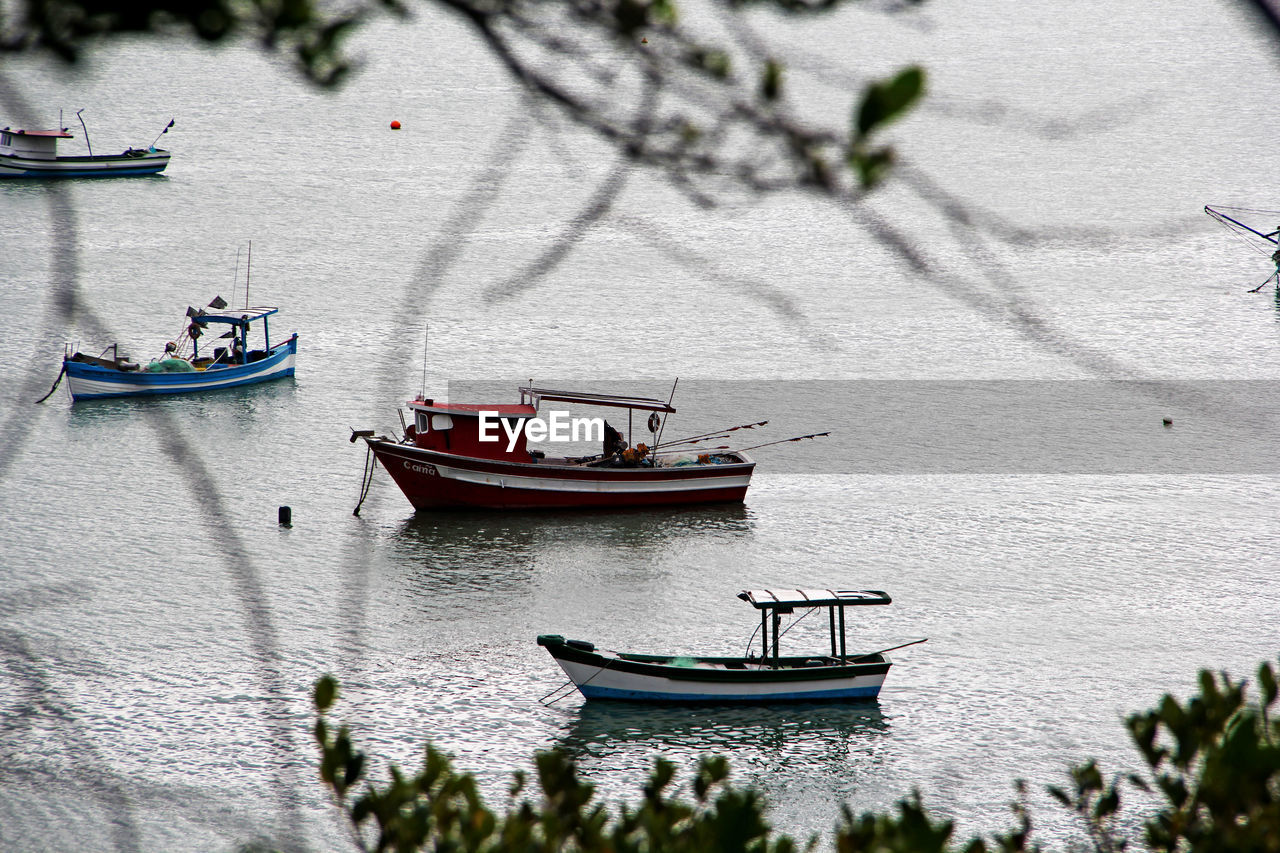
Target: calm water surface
{"points": [[159, 633]]}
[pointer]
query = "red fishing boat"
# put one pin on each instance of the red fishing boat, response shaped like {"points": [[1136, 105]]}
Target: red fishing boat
{"points": [[474, 456]]}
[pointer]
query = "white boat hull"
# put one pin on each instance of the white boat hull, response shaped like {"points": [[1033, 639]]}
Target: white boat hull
{"points": [[434, 480], [99, 166], [607, 675], [597, 683]]}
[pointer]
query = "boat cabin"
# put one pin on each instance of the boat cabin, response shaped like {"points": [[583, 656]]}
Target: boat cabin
{"points": [[772, 604], [455, 427], [32, 144]]}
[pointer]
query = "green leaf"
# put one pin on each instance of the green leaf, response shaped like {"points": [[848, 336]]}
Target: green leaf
{"points": [[771, 81], [1108, 803], [325, 692], [871, 166], [354, 770], [714, 62], [885, 100], [1267, 678]]}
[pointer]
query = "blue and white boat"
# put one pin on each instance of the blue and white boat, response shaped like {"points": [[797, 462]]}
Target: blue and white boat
{"points": [[768, 677], [224, 361], [34, 154]]}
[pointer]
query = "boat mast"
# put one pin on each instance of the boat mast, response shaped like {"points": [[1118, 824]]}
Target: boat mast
{"points": [[663, 425], [244, 328], [777, 621]]}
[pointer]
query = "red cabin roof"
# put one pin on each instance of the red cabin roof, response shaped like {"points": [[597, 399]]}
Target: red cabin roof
{"points": [[57, 134]]}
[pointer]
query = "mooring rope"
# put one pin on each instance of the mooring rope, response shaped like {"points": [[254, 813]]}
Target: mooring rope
{"points": [[56, 383], [366, 479], [580, 686]]}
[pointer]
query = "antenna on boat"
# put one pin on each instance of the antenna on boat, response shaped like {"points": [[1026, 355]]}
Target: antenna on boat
{"points": [[426, 333], [162, 133], [84, 127], [248, 262]]}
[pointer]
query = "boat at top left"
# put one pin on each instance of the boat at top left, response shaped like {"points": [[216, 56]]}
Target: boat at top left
{"points": [[34, 154], [231, 355]]}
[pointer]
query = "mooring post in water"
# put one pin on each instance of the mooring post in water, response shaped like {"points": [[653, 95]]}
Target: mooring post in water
{"points": [[286, 516]]}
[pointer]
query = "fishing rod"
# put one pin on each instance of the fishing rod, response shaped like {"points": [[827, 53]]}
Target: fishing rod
{"points": [[666, 444], [712, 433], [784, 441], [890, 649], [1224, 219]]}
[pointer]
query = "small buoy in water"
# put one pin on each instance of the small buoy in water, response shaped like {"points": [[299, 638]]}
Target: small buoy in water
{"points": [[1168, 422], [395, 125], [286, 516]]}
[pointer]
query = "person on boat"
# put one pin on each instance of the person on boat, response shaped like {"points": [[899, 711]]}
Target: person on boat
{"points": [[614, 444], [237, 351], [635, 455]]}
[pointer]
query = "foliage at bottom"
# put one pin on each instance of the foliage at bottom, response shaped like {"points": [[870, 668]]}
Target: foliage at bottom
{"points": [[1212, 766]]}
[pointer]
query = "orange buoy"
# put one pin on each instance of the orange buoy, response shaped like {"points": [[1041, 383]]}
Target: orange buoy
{"points": [[395, 125]]}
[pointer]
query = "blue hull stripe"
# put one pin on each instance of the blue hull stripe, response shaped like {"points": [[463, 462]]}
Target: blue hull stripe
{"points": [[67, 174]]}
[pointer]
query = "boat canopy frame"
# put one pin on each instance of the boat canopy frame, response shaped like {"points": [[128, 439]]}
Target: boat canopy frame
{"points": [[240, 321], [772, 604], [533, 396]]}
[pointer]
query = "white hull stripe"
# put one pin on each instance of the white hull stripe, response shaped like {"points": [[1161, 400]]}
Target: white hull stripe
{"points": [[554, 484], [175, 383]]}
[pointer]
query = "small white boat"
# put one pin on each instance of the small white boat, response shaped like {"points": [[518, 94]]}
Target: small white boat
{"points": [[34, 154], [768, 677]]}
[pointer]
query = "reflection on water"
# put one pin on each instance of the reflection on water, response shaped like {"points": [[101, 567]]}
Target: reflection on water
{"points": [[483, 555], [241, 401], [597, 729], [471, 539], [784, 749]]}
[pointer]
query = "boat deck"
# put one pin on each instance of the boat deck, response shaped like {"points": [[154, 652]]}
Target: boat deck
{"points": [[743, 664]]}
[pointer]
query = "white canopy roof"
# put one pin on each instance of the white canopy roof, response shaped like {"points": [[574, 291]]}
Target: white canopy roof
{"points": [[787, 598]]}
